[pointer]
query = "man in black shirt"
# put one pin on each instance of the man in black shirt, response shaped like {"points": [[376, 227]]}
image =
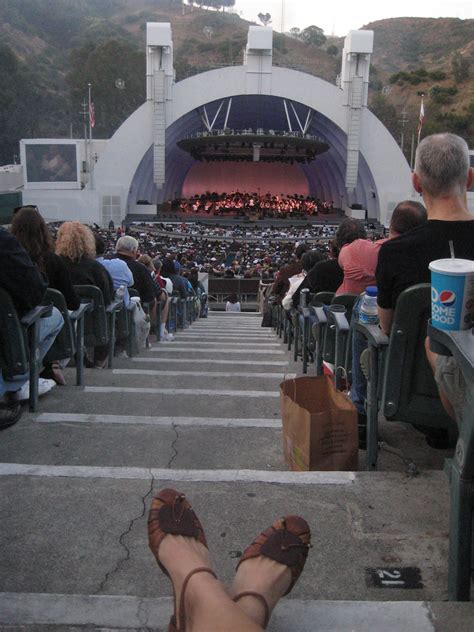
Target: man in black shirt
{"points": [[325, 276], [442, 176], [126, 249]]}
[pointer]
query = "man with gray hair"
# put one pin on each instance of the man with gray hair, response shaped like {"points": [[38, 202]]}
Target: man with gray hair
{"points": [[442, 176], [126, 249]]}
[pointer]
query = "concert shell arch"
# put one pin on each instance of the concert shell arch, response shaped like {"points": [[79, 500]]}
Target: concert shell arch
{"points": [[364, 165]]}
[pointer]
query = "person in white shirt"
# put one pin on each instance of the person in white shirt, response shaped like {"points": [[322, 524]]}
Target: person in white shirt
{"points": [[233, 304]]}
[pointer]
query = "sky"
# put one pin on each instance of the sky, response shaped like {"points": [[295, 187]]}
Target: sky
{"points": [[341, 16]]}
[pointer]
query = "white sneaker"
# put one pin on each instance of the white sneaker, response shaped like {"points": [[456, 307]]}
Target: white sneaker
{"points": [[43, 387], [166, 337]]}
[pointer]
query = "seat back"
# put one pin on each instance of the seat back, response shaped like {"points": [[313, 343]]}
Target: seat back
{"points": [[329, 344], [409, 391], [64, 345], [96, 330], [13, 345], [320, 297]]}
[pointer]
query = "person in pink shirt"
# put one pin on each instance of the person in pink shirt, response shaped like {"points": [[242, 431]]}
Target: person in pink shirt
{"points": [[359, 264], [357, 257]]}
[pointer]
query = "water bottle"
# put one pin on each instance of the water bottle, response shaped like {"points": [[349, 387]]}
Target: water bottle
{"points": [[368, 307]]}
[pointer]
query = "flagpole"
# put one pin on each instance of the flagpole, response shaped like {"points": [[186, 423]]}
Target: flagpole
{"points": [[86, 141], [421, 119], [91, 167]]}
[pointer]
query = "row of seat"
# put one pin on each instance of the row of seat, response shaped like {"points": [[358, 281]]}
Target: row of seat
{"points": [[400, 386], [93, 324]]}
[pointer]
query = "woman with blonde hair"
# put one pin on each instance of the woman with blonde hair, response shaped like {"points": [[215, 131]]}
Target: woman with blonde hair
{"points": [[76, 244]]}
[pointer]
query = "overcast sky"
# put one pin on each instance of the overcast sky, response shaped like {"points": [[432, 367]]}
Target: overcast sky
{"points": [[340, 16]]}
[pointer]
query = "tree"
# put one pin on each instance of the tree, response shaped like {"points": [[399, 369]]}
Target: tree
{"points": [[387, 113], [101, 65], [20, 104], [460, 67], [295, 32], [265, 18], [332, 50], [313, 35]]}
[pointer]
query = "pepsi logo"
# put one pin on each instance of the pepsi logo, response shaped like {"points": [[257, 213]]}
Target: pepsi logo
{"points": [[447, 298]]}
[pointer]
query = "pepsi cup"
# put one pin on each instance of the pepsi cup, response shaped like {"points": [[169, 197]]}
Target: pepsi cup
{"points": [[452, 293]]}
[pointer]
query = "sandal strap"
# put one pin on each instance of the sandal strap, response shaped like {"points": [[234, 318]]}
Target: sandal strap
{"points": [[287, 542], [261, 598], [181, 608]]}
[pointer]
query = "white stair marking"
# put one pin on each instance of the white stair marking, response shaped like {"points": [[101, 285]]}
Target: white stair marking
{"points": [[201, 361], [166, 373], [123, 611], [51, 418], [210, 476], [190, 349], [179, 391]]}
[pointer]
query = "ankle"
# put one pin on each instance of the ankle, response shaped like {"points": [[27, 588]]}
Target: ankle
{"points": [[197, 591]]}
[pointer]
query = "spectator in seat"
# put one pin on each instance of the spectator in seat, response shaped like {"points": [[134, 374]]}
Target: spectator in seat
{"points": [[324, 276], [126, 249], [32, 232], [180, 284], [308, 261], [406, 216], [442, 176], [119, 271], [233, 304], [357, 256], [76, 244], [282, 284], [160, 295], [21, 278]]}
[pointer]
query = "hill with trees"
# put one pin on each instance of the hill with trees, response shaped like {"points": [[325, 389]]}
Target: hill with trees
{"points": [[51, 49]]}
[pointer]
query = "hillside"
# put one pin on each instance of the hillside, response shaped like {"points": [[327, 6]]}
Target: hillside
{"points": [[59, 46]]}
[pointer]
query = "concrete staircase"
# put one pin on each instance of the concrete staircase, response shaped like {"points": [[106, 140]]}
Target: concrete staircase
{"points": [[202, 414]]}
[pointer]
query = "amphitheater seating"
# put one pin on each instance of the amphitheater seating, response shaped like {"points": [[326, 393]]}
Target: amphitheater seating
{"points": [[401, 383], [19, 343], [460, 469], [100, 321], [70, 340]]}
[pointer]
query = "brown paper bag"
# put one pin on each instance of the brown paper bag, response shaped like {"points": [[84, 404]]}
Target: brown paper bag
{"points": [[319, 425]]}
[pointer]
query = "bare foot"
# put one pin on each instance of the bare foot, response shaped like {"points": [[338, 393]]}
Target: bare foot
{"points": [[265, 577]]}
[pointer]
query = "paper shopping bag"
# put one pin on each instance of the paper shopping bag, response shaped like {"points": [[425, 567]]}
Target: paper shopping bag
{"points": [[319, 425]]}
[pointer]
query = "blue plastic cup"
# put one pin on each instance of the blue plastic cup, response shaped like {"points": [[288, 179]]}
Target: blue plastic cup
{"points": [[452, 294]]}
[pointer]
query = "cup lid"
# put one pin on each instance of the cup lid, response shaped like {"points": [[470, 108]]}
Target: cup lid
{"points": [[452, 266]]}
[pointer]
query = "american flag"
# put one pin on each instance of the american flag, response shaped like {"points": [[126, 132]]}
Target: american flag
{"points": [[91, 114], [421, 119]]}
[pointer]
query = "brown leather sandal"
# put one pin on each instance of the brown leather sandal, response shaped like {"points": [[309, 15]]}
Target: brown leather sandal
{"points": [[287, 541], [172, 514]]}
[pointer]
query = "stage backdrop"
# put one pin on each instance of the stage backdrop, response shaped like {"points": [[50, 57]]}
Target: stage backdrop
{"points": [[258, 177]]}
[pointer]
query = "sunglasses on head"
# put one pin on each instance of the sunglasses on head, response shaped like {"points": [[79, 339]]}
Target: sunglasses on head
{"points": [[31, 207]]}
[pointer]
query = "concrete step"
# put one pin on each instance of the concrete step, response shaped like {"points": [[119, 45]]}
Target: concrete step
{"points": [[82, 530], [139, 441], [78, 612]]}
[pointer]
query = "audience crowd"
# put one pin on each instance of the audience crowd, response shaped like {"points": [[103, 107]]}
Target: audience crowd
{"points": [[156, 262]]}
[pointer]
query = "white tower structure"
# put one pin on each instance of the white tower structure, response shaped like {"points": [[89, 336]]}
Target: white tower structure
{"points": [[358, 46], [159, 84], [258, 58]]}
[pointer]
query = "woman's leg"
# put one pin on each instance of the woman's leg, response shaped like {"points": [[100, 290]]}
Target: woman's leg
{"points": [[265, 577], [207, 606]]}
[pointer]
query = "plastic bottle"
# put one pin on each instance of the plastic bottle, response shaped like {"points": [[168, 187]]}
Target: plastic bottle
{"points": [[368, 307], [120, 292]]}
